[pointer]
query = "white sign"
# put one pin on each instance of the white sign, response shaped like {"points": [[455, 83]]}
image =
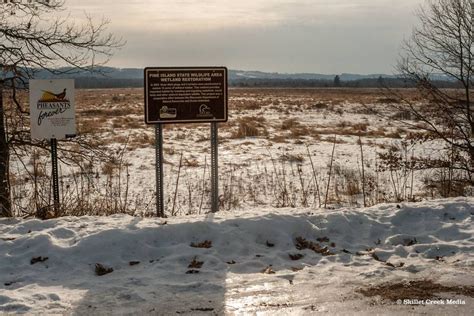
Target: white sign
{"points": [[52, 110]]}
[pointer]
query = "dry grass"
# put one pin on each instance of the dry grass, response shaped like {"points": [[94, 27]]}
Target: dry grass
{"points": [[328, 96], [191, 162], [250, 126], [127, 122], [300, 131], [320, 106], [299, 158], [253, 104], [289, 123], [109, 168], [279, 139], [245, 129]]}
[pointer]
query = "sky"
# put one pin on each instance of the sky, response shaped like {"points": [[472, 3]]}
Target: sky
{"points": [[287, 36]]}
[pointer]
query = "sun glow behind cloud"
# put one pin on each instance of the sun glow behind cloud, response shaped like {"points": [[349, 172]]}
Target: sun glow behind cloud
{"points": [[223, 31], [194, 15]]}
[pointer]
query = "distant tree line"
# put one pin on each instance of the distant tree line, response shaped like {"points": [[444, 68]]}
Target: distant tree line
{"points": [[338, 83], [105, 83]]}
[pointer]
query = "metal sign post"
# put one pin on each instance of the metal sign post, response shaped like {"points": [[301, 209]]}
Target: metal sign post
{"points": [[214, 169], [54, 163], [160, 208], [185, 95], [52, 116]]}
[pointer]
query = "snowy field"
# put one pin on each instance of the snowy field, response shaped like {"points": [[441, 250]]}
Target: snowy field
{"points": [[280, 148], [288, 261]]}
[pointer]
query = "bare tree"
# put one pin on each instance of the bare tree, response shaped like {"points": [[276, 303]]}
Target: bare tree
{"points": [[441, 47], [40, 36]]}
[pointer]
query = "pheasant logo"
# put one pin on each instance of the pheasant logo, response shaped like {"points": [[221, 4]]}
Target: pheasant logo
{"points": [[49, 96], [52, 101]]}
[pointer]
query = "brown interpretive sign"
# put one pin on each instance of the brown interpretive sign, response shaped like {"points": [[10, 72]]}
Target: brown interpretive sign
{"points": [[185, 95]]}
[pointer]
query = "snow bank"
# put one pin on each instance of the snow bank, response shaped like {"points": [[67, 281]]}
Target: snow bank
{"points": [[246, 269]]}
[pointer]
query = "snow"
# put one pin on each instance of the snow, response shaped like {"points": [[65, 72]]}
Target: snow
{"points": [[434, 240]]}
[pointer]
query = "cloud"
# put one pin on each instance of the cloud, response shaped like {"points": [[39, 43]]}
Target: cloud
{"points": [[194, 15], [329, 36]]}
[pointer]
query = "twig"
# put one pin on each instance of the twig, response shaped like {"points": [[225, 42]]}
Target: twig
{"points": [[314, 176], [363, 174], [177, 182], [203, 184], [330, 171], [412, 173], [304, 201]]}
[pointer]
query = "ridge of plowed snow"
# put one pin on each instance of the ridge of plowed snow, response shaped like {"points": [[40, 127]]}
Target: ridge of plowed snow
{"points": [[431, 239]]}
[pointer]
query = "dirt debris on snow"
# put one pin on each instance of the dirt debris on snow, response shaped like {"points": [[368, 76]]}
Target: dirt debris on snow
{"points": [[203, 244], [100, 269], [415, 290], [38, 259], [301, 243]]}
